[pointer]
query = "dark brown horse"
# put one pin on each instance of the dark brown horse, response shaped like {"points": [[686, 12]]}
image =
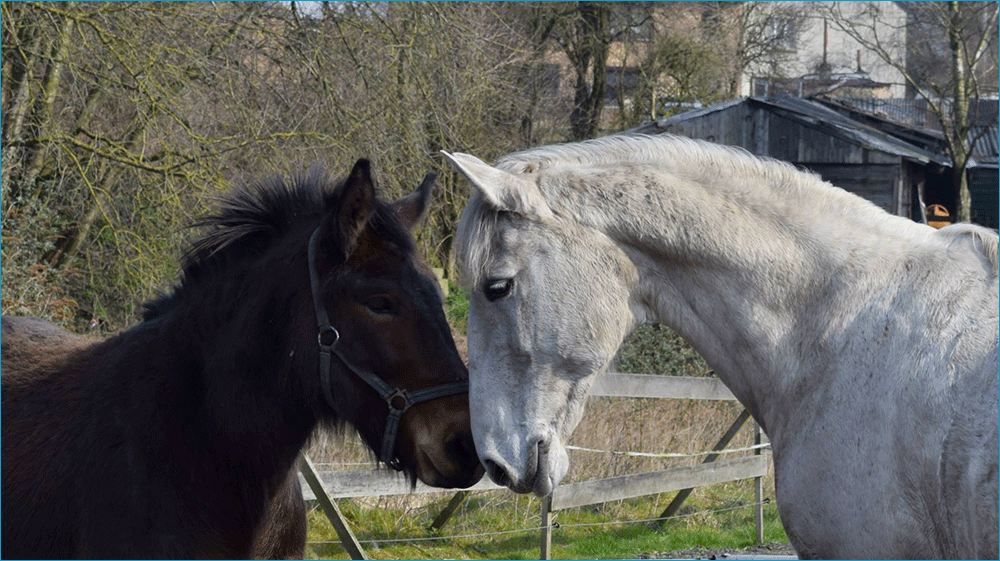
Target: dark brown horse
{"points": [[24, 341], [302, 305]]}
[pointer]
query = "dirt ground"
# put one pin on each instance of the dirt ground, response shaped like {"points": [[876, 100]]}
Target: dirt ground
{"points": [[766, 551]]}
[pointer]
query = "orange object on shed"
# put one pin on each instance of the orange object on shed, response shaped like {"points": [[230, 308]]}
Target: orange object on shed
{"points": [[937, 216]]}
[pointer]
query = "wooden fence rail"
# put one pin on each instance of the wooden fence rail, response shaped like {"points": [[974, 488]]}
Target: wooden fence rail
{"points": [[376, 483], [370, 483], [654, 482]]}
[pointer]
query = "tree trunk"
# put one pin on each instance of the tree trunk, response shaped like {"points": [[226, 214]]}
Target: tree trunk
{"points": [[589, 54], [70, 244], [77, 233], [964, 201], [50, 87], [529, 80], [14, 123], [960, 115]]}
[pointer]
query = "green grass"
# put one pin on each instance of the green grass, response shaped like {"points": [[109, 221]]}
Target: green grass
{"points": [[456, 306], [500, 525]]}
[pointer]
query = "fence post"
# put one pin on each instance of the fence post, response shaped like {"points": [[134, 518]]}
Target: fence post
{"points": [[450, 509], [347, 538], [682, 495], [546, 528], [758, 491]]}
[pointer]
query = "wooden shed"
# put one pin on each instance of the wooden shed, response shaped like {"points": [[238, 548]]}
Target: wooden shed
{"points": [[910, 121], [899, 176]]}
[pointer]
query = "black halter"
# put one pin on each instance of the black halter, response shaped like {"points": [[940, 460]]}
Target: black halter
{"points": [[399, 400]]}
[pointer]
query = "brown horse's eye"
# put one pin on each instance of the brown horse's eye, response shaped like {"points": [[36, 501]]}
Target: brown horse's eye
{"points": [[497, 288], [381, 305]]}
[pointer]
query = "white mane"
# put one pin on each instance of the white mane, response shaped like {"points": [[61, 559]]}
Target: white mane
{"points": [[696, 160], [983, 240], [636, 148]]}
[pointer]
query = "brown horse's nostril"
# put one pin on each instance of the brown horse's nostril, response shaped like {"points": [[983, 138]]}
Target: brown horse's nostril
{"points": [[461, 446]]}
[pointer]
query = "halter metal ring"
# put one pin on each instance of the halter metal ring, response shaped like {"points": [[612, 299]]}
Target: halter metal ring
{"points": [[326, 331], [402, 395]]}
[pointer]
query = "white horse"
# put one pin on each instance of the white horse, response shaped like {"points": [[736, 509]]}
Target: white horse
{"points": [[864, 344]]}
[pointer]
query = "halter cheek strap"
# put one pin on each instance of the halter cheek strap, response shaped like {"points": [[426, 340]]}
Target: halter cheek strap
{"points": [[398, 399]]}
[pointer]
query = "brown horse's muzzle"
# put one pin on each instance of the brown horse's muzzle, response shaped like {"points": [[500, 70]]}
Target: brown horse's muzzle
{"points": [[438, 437]]}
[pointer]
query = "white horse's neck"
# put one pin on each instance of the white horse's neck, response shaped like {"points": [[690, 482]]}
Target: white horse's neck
{"points": [[754, 263]]}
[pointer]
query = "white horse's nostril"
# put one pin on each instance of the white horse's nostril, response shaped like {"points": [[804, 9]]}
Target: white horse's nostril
{"points": [[540, 443], [498, 473]]}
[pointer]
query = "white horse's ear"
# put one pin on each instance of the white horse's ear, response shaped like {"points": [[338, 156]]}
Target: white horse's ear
{"points": [[503, 190]]}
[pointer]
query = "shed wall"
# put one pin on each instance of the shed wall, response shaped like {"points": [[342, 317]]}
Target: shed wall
{"points": [[874, 175], [983, 186]]}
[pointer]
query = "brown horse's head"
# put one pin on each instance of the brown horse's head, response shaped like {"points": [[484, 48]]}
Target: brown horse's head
{"points": [[389, 334]]}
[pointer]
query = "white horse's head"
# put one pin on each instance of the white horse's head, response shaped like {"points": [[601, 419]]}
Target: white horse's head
{"points": [[549, 307]]}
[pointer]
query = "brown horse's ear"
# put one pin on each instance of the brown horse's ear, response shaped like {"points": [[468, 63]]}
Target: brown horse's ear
{"points": [[413, 208], [353, 205]]}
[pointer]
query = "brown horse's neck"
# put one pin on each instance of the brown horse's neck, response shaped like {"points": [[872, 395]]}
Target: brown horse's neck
{"points": [[136, 412], [234, 386], [212, 407]]}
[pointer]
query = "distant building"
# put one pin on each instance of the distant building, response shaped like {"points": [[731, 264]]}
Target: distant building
{"points": [[828, 61], [901, 168]]}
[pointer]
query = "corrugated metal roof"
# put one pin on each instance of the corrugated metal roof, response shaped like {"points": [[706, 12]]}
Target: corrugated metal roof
{"points": [[982, 136], [985, 147], [813, 114], [693, 114]]}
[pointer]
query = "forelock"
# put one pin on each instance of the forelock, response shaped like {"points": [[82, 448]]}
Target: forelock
{"points": [[477, 228]]}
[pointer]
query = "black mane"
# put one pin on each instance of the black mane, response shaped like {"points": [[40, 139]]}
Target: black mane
{"points": [[252, 217]]}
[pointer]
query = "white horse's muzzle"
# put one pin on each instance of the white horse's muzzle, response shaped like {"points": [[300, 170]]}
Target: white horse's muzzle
{"points": [[537, 467]]}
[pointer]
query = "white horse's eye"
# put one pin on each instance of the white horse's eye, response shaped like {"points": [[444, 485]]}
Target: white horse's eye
{"points": [[496, 289]]}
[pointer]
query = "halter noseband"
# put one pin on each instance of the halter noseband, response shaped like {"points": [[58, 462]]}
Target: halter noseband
{"points": [[398, 399]]}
